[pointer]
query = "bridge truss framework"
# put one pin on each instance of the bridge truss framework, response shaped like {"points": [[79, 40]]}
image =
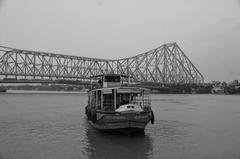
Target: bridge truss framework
{"points": [[165, 64]]}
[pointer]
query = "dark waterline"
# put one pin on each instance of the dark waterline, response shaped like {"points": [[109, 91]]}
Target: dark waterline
{"points": [[53, 125]]}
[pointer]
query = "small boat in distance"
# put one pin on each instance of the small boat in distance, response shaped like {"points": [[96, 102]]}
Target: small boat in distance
{"points": [[114, 107], [2, 89]]}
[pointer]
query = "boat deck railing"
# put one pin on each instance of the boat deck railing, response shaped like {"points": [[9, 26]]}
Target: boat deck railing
{"points": [[142, 101]]}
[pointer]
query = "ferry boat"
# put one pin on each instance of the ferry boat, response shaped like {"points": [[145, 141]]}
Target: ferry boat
{"points": [[115, 106]]}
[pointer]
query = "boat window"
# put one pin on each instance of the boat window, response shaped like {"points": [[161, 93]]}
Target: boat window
{"points": [[112, 78], [93, 99], [108, 103], [98, 104], [122, 98], [146, 101]]}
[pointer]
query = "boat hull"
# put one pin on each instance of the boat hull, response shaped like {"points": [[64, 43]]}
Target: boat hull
{"points": [[127, 122], [120, 129]]}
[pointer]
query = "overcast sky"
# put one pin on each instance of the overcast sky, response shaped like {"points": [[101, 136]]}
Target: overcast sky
{"points": [[208, 31]]}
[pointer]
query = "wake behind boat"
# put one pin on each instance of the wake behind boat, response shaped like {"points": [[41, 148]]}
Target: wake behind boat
{"points": [[114, 107]]}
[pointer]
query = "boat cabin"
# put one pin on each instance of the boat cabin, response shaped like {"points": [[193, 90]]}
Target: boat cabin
{"points": [[111, 95], [110, 99]]}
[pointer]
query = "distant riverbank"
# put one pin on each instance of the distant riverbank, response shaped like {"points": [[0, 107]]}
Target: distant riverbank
{"points": [[45, 87], [44, 92]]}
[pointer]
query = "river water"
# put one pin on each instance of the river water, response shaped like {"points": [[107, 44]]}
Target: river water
{"points": [[53, 126]]}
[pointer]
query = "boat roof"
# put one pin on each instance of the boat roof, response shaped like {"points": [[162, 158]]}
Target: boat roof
{"points": [[130, 89], [121, 75]]}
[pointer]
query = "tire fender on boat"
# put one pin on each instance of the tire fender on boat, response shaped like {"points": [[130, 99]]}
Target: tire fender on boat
{"points": [[93, 116], [89, 115], [152, 118]]}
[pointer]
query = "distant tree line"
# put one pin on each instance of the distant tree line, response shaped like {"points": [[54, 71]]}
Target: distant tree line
{"points": [[45, 87]]}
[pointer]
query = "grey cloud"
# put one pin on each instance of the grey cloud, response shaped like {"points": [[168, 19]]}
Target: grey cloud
{"points": [[1, 3]]}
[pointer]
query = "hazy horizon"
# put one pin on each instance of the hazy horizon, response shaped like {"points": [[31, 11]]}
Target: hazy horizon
{"points": [[207, 31]]}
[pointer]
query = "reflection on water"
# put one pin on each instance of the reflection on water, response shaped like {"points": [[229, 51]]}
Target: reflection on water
{"points": [[105, 145]]}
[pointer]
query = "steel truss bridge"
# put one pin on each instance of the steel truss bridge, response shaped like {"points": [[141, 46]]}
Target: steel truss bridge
{"points": [[166, 64]]}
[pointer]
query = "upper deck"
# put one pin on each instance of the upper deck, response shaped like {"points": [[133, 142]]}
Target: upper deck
{"points": [[111, 94], [112, 80]]}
